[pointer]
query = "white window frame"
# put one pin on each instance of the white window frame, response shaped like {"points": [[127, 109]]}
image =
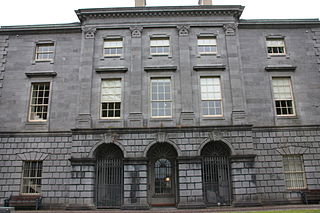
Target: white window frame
{"points": [[204, 99], [31, 182], [38, 52], [280, 101], [41, 105], [270, 45], [153, 45], [292, 172], [110, 101], [114, 45], [163, 100], [208, 39]]}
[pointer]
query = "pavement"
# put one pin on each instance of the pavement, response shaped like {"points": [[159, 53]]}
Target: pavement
{"points": [[174, 210]]}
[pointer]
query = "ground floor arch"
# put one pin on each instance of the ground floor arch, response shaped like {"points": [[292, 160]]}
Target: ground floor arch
{"points": [[216, 173], [162, 175], [108, 176]]}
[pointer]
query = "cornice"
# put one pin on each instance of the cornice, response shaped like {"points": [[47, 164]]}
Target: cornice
{"points": [[42, 28], [214, 10], [265, 23]]}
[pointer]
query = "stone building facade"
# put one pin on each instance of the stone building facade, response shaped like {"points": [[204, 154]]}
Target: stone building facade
{"points": [[185, 106]]}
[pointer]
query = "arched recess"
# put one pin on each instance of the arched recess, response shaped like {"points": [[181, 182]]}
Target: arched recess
{"points": [[216, 173], [94, 149], [217, 140], [173, 144], [162, 171], [109, 176]]}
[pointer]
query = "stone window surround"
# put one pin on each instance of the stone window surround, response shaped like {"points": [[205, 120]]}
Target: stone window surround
{"points": [[32, 82], [276, 36], [200, 99], [294, 115], [172, 83], [41, 42], [204, 35], [160, 36], [122, 101], [111, 37]]}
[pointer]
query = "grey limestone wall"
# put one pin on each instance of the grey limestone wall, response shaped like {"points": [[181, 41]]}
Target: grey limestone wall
{"points": [[300, 46], [271, 144], [52, 150]]}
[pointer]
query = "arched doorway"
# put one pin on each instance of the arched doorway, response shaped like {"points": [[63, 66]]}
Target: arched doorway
{"points": [[109, 176], [162, 175], [216, 173]]}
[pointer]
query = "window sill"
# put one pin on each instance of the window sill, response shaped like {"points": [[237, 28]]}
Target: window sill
{"points": [[42, 61], [161, 119], [120, 57], [37, 122], [286, 117], [278, 56], [212, 118], [109, 120]]}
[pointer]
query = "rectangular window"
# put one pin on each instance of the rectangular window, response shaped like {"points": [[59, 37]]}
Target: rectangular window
{"points": [[111, 98], [294, 172], [44, 52], [39, 102], [159, 46], [161, 101], [283, 96], [211, 100], [276, 46], [32, 174], [207, 45], [113, 47]]}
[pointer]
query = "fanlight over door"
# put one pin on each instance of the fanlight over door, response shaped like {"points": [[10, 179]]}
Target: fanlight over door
{"points": [[162, 175]]}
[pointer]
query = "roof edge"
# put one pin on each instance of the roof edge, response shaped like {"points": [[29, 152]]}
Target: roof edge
{"points": [[64, 26]]}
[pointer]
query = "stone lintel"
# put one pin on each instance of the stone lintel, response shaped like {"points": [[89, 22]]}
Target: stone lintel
{"points": [[208, 67], [278, 68], [41, 74]]}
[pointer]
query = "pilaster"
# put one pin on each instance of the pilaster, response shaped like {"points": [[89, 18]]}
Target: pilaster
{"points": [[85, 77], [187, 117], [237, 89], [135, 118]]}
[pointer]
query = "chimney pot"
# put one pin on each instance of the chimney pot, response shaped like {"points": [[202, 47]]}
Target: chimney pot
{"points": [[140, 3], [205, 2]]}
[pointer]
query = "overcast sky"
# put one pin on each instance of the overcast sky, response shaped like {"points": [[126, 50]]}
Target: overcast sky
{"points": [[27, 12]]}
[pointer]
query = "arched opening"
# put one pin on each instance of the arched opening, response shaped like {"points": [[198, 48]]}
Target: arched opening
{"points": [[162, 175], [216, 173], [109, 176]]}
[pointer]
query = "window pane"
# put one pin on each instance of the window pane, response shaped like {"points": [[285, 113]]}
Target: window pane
{"points": [[32, 173], [111, 98], [294, 172], [282, 93]]}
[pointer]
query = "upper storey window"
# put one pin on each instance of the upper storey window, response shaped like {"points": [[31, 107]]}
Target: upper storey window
{"points": [[161, 101], [111, 98], [283, 96], [44, 52], [160, 46], [113, 47], [39, 102], [276, 46], [207, 45], [211, 100]]}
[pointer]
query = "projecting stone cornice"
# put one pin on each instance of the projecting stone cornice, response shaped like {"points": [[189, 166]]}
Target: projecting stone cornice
{"points": [[111, 69], [208, 67], [40, 74], [282, 67], [160, 68], [214, 10]]}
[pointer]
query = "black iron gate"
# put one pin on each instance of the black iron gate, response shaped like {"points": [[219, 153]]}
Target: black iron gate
{"points": [[216, 175], [109, 179]]}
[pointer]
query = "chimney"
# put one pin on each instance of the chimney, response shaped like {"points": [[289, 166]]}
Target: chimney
{"points": [[140, 3], [205, 2]]}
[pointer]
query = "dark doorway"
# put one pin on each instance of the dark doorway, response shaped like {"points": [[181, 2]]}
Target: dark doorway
{"points": [[109, 176], [162, 175], [216, 173]]}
